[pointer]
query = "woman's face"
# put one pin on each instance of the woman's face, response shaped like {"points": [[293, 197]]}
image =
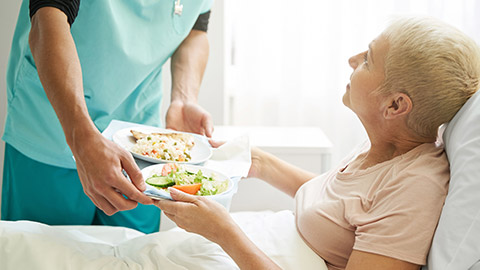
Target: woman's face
{"points": [[367, 76]]}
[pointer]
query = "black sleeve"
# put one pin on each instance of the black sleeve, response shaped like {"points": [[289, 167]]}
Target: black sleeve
{"points": [[202, 22], [69, 7]]}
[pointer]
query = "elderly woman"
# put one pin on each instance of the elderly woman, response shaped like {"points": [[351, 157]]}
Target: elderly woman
{"points": [[377, 209]]}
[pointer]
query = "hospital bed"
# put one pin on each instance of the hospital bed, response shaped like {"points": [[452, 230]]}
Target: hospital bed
{"points": [[456, 243]]}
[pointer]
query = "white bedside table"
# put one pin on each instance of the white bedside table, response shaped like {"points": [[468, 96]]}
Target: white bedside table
{"points": [[305, 147]]}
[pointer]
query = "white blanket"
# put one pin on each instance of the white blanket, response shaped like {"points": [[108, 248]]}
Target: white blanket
{"points": [[30, 245]]}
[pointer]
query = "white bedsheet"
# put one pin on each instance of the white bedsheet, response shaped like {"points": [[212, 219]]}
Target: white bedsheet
{"points": [[31, 245]]}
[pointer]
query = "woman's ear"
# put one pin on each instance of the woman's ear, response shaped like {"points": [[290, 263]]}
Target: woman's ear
{"points": [[399, 104]]}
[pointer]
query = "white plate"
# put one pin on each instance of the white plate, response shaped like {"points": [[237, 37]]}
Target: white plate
{"points": [[160, 194], [200, 152]]}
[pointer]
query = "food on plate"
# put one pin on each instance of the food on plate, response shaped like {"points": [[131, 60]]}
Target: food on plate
{"points": [[190, 189], [165, 146], [195, 183]]}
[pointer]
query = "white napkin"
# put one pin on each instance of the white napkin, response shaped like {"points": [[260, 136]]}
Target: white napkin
{"points": [[232, 158]]}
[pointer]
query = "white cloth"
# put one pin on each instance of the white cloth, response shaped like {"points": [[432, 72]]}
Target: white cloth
{"points": [[31, 245]]}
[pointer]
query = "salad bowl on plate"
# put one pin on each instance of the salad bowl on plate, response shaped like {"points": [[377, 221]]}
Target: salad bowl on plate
{"points": [[192, 179]]}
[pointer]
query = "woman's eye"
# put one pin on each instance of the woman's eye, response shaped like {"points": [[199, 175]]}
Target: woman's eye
{"points": [[365, 60]]}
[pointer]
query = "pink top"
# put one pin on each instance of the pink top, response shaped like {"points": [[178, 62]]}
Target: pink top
{"points": [[390, 209]]}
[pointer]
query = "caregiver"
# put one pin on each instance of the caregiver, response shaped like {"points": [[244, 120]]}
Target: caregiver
{"points": [[68, 77]]}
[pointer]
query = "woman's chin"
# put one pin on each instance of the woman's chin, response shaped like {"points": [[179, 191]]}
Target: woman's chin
{"points": [[346, 99]]}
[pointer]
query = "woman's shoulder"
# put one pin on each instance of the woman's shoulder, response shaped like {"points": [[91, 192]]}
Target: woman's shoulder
{"points": [[424, 169], [427, 158]]}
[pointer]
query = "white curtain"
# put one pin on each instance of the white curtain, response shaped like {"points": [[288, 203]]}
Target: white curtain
{"points": [[288, 64]]}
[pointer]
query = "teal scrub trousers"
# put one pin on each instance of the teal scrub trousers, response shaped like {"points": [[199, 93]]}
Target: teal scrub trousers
{"points": [[53, 195]]}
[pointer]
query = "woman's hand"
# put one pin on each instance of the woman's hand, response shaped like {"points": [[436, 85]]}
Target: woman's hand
{"points": [[256, 170], [198, 215], [256, 157]]}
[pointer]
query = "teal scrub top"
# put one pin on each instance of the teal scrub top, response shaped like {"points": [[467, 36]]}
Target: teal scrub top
{"points": [[122, 46]]}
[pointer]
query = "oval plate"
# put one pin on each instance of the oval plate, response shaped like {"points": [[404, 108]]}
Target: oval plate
{"points": [[201, 151]]}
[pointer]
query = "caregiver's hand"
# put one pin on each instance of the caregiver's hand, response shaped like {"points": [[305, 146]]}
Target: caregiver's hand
{"points": [[99, 164], [198, 215], [189, 117]]}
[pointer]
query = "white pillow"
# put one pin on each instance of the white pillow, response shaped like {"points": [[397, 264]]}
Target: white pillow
{"points": [[456, 243]]}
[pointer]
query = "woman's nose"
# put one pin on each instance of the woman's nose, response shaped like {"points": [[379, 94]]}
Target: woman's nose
{"points": [[353, 62]]}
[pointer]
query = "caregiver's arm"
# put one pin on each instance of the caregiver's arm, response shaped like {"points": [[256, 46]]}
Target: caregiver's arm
{"points": [[188, 66], [280, 174], [99, 161], [210, 219]]}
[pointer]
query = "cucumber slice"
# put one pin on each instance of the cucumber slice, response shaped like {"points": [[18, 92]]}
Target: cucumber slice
{"points": [[160, 181]]}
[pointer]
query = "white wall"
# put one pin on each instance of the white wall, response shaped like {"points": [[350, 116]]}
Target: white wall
{"points": [[8, 19]]}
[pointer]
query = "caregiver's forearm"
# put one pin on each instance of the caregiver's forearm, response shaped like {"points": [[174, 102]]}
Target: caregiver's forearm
{"points": [[278, 173], [188, 65], [58, 66]]}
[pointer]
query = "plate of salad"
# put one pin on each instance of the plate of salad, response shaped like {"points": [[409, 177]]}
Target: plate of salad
{"points": [[191, 179]]}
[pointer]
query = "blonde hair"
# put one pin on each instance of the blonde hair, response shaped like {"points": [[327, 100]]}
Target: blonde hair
{"points": [[435, 64]]}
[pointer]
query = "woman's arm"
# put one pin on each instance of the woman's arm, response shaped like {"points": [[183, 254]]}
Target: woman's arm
{"points": [[210, 219], [278, 173], [360, 260]]}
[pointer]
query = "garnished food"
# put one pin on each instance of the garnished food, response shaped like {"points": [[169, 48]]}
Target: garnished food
{"points": [[160, 181], [195, 183], [164, 146], [190, 189]]}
